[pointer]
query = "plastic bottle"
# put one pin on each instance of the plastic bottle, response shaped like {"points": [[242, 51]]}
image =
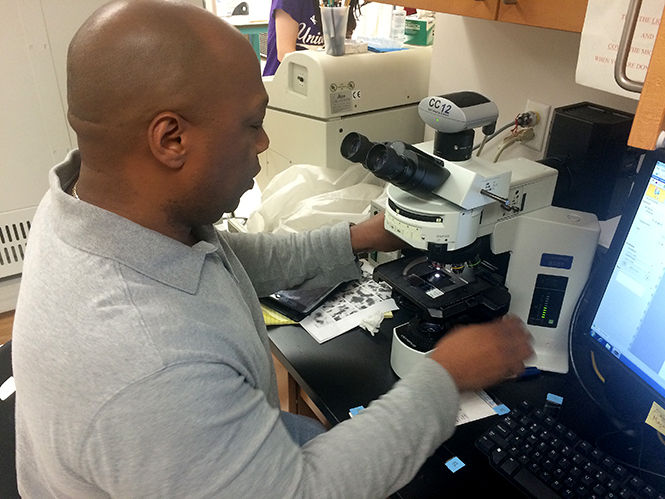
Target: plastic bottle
{"points": [[397, 25]]}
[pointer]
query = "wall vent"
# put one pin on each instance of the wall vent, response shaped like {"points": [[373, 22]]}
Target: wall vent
{"points": [[14, 229]]}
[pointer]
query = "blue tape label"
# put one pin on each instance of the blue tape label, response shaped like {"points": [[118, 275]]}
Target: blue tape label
{"points": [[555, 399], [501, 409], [454, 464], [355, 410]]}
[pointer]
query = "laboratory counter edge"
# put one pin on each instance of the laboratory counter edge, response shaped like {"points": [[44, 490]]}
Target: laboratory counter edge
{"points": [[354, 369]]}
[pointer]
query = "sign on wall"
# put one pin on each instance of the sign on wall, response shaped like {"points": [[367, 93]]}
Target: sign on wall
{"points": [[600, 42]]}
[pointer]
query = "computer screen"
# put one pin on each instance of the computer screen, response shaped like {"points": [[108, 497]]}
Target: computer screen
{"points": [[630, 320]]}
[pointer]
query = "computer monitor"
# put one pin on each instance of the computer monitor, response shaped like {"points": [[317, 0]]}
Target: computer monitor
{"points": [[626, 335]]}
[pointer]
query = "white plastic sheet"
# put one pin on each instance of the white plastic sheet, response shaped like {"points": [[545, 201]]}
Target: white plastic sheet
{"points": [[305, 197]]}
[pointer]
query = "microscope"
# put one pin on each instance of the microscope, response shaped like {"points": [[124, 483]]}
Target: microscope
{"points": [[488, 240]]}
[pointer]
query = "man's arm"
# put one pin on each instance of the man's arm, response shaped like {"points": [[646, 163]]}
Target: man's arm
{"points": [[498, 350], [203, 430], [324, 256], [318, 258], [371, 235]]}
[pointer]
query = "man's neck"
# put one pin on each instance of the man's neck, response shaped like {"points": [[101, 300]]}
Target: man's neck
{"points": [[136, 208]]}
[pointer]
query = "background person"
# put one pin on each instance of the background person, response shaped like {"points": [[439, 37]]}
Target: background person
{"points": [[296, 25]]}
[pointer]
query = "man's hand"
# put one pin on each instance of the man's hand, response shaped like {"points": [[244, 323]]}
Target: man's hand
{"points": [[481, 355], [371, 235]]}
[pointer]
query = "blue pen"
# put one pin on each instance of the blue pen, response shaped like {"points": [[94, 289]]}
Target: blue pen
{"points": [[529, 372]]}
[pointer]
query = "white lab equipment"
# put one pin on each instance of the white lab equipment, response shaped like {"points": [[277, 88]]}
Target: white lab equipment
{"points": [[493, 242], [316, 99]]}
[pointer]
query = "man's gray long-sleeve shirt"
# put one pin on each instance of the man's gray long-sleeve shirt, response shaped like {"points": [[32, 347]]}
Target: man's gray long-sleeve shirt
{"points": [[143, 369]]}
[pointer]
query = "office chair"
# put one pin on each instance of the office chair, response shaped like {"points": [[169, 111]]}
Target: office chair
{"points": [[8, 487]]}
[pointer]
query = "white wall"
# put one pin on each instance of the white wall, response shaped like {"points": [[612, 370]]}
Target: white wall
{"points": [[34, 35], [34, 135], [258, 9], [510, 63]]}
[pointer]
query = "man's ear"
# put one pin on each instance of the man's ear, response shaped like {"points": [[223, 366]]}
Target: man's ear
{"points": [[166, 139]]}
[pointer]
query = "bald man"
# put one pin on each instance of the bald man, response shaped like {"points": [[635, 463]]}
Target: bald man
{"points": [[141, 359]]}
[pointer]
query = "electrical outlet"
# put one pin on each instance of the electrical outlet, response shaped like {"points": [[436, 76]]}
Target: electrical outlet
{"points": [[540, 129]]}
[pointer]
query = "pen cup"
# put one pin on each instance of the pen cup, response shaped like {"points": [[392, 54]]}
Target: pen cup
{"points": [[333, 21]]}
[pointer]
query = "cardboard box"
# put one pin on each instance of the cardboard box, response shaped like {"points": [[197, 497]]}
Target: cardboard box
{"points": [[419, 31]]}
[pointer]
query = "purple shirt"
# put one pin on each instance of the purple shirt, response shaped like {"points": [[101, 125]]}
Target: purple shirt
{"points": [[309, 32]]}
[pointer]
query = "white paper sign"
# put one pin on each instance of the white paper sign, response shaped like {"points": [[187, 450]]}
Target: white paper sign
{"points": [[600, 42]]}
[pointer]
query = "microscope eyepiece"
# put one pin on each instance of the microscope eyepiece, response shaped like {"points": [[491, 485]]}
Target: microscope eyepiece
{"points": [[387, 164], [400, 164], [383, 162], [355, 147]]}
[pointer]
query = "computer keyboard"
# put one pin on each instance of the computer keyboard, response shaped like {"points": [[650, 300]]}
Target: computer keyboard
{"points": [[547, 460]]}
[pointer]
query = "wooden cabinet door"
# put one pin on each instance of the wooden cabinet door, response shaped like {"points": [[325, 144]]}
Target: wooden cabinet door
{"points": [[649, 119], [484, 9], [566, 15]]}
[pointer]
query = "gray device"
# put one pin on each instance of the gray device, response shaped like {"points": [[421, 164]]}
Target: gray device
{"points": [[454, 116], [458, 111]]}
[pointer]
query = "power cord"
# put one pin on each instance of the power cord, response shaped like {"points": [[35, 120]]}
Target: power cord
{"points": [[526, 119], [487, 138], [636, 467], [574, 321], [523, 135]]}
